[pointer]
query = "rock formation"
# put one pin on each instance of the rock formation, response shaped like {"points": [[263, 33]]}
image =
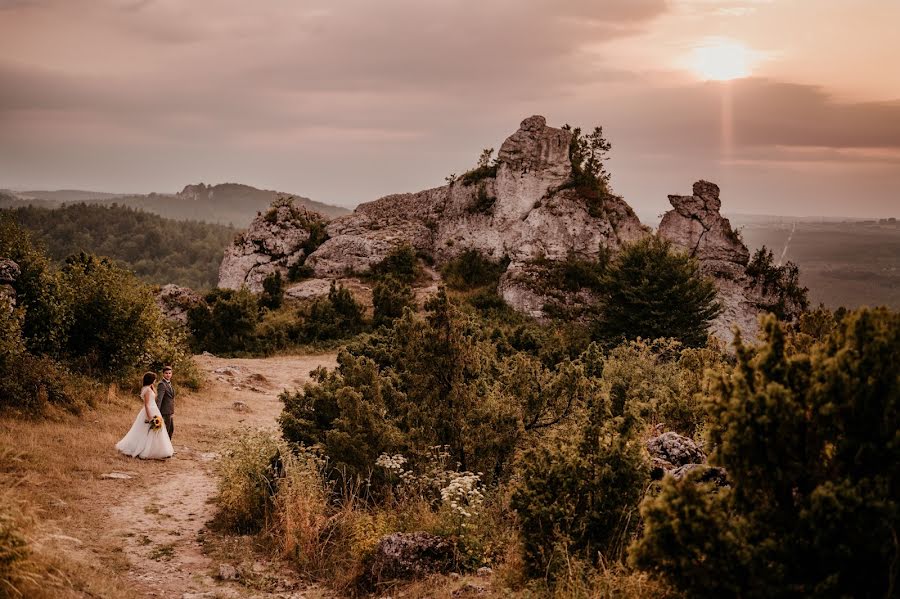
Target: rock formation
{"points": [[523, 213], [523, 209], [9, 272], [696, 226], [276, 240], [175, 301]]}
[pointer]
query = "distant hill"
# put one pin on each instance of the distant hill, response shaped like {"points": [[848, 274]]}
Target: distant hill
{"points": [[66, 195], [158, 250], [230, 204]]}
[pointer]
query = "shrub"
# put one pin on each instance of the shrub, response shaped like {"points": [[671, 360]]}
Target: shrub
{"points": [[389, 298], [809, 441], [225, 323], [486, 168], [114, 317], [336, 317], [780, 286], [579, 497], [40, 293], [652, 292], [249, 473], [472, 269], [273, 291], [401, 263]]}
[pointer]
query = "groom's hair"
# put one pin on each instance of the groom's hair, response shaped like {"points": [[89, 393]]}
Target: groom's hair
{"points": [[148, 379], [167, 369]]}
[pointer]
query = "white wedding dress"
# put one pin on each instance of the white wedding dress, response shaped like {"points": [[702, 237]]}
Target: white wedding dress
{"points": [[140, 441]]}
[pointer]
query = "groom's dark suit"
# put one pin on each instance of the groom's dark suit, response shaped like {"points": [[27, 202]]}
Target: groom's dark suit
{"points": [[165, 400]]}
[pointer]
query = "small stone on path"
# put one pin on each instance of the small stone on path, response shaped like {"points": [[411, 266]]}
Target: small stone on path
{"points": [[116, 476]]}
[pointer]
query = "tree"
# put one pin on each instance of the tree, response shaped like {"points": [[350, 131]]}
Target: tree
{"points": [[273, 291], [779, 285], [650, 291], [589, 175], [114, 317], [389, 298], [810, 444]]}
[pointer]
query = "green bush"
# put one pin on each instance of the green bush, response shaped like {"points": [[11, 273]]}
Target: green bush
{"points": [[389, 298], [810, 444], [650, 291], [423, 383], [45, 300], [273, 291], [338, 316], [249, 473], [579, 496], [401, 263], [471, 269], [114, 317], [225, 323]]}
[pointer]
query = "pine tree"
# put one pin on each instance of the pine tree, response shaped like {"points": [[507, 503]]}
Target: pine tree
{"points": [[650, 291]]}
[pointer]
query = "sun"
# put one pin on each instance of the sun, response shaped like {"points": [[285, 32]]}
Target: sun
{"points": [[722, 59]]}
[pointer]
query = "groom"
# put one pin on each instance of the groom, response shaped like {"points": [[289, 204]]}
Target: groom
{"points": [[165, 400]]}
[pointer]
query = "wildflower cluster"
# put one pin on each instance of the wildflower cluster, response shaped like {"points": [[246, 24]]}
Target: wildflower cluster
{"points": [[463, 495]]}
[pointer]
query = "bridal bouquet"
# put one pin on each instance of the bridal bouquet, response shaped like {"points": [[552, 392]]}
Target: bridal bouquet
{"points": [[156, 423]]}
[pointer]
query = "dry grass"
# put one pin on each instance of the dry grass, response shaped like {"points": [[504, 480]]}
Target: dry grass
{"points": [[51, 469]]}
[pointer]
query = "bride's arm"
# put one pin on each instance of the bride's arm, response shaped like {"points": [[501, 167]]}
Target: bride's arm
{"points": [[146, 397]]}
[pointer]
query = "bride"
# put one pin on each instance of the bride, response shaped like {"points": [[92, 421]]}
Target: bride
{"points": [[141, 441]]}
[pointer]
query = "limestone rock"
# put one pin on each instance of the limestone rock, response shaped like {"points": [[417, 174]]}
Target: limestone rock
{"points": [[529, 216], [175, 301], [675, 449], [404, 555], [696, 227], [308, 289], [275, 241]]}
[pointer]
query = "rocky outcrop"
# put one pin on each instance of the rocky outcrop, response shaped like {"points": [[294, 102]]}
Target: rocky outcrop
{"points": [[276, 240], [175, 301], [402, 555], [9, 272], [520, 210], [696, 227]]}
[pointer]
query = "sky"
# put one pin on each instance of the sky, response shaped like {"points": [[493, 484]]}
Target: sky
{"points": [[791, 106]]}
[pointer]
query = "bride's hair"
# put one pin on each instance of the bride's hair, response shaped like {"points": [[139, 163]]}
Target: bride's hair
{"points": [[149, 378]]}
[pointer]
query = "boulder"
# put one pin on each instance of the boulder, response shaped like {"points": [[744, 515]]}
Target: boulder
{"points": [[675, 449], [402, 555], [175, 301]]}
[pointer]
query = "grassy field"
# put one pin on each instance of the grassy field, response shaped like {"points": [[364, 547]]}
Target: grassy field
{"points": [[848, 264]]}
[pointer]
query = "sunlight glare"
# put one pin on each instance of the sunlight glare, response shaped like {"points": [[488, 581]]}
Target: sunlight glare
{"points": [[722, 60]]}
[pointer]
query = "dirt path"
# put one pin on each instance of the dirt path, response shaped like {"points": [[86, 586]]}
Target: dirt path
{"points": [[163, 518]]}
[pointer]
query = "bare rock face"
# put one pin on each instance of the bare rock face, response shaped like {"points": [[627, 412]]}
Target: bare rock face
{"points": [[274, 242], [523, 213], [696, 227], [9, 272], [175, 301]]}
